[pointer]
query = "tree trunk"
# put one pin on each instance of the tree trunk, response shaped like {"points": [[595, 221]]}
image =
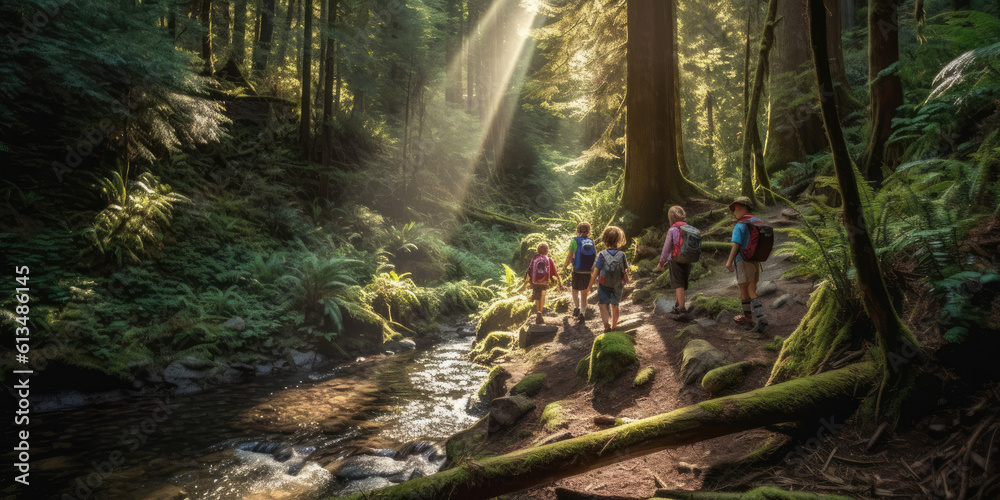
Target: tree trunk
{"points": [[895, 341], [225, 27], [526, 468], [652, 174], [263, 49], [472, 54], [286, 37], [886, 90], [846, 103], [711, 131], [327, 129], [453, 51], [239, 51], [320, 91], [793, 132], [752, 156], [678, 109], [206, 37], [306, 111]]}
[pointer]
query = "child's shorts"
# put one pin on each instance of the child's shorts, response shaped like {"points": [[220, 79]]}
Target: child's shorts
{"points": [[747, 272], [537, 290], [679, 274], [608, 295], [581, 280]]}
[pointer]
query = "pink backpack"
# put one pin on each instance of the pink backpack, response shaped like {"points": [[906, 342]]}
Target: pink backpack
{"points": [[539, 269]]}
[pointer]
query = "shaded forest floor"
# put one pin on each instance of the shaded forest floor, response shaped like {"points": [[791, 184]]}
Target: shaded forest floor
{"points": [[924, 452]]}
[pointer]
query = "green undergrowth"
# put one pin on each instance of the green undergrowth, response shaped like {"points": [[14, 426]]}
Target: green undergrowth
{"points": [[504, 314], [494, 373], [714, 305], [774, 345]]}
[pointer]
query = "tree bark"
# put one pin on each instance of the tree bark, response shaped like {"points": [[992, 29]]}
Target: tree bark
{"points": [[711, 131], [206, 37], [793, 132], [304, 129], [526, 468], [678, 109], [263, 49], [239, 31], [327, 129], [895, 341], [286, 37], [472, 53], [886, 90], [753, 160], [846, 103], [652, 173], [453, 51]]}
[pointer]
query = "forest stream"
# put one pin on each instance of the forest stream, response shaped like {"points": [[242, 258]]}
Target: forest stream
{"points": [[379, 416]]}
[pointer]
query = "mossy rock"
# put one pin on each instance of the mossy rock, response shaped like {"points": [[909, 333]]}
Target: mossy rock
{"points": [[697, 359], [725, 377], [644, 376], [529, 385], [554, 416], [495, 384], [691, 331], [714, 305], [496, 344], [610, 356], [503, 315]]}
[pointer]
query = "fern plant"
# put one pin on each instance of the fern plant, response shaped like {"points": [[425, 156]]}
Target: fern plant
{"points": [[131, 227], [320, 285]]}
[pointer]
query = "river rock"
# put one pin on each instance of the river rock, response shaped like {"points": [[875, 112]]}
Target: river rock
{"points": [[766, 288], [698, 358], [706, 322], [186, 378], [408, 344], [196, 363], [304, 360], [468, 330], [235, 324], [506, 411], [263, 368], [230, 376], [781, 301], [664, 305]]}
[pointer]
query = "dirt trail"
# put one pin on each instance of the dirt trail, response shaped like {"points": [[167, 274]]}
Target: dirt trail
{"points": [[657, 346]]}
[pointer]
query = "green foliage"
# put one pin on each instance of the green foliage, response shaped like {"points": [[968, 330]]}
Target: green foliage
{"points": [[554, 416], [714, 305], [966, 299], [774, 345], [319, 285], [504, 315], [496, 344], [138, 212]]}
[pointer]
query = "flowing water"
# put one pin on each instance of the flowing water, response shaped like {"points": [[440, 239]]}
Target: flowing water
{"points": [[278, 437]]}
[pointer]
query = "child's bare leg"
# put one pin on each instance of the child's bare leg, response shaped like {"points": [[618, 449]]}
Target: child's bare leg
{"points": [[751, 290], [745, 291], [604, 315], [680, 297], [614, 316]]}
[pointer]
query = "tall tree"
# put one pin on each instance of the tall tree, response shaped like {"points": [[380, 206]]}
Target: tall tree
{"points": [[305, 140], [753, 157], [291, 11], [263, 48], [239, 51], [794, 130], [846, 103], [472, 47], [895, 340], [652, 174], [328, 105], [452, 51], [205, 15], [885, 88]]}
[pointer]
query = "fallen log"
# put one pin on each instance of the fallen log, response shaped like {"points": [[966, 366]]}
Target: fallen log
{"points": [[526, 468]]}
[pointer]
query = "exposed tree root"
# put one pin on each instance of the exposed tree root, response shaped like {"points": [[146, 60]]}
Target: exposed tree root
{"points": [[526, 468]]}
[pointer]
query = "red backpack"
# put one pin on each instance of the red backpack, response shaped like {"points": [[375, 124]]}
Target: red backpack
{"points": [[761, 239], [539, 269]]}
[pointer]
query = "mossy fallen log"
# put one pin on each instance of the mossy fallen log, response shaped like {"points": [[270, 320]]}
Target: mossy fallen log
{"points": [[760, 493], [526, 468]]}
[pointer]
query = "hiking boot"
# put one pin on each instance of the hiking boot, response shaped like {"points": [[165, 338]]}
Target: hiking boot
{"points": [[759, 328], [678, 310], [576, 312], [538, 319]]}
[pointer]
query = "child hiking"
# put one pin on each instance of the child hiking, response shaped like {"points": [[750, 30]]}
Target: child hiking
{"points": [[582, 255], [611, 273], [752, 242], [681, 248], [541, 271]]}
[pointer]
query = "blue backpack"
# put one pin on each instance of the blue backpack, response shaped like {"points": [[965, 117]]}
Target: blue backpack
{"points": [[586, 254]]}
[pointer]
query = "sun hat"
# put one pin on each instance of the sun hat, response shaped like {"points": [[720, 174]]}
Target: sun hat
{"points": [[742, 200]]}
